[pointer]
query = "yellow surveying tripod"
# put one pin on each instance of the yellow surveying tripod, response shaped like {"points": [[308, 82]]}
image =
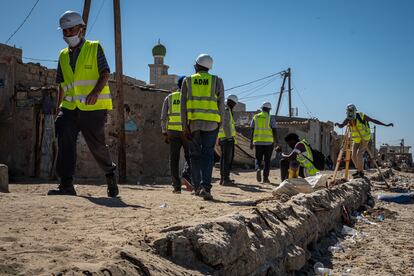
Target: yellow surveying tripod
{"points": [[346, 147]]}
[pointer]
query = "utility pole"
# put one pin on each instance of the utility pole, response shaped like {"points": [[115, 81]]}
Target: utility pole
{"points": [[282, 89], [119, 96], [290, 91], [86, 9]]}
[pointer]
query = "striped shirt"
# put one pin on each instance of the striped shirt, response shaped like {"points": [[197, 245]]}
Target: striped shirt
{"points": [[73, 56]]}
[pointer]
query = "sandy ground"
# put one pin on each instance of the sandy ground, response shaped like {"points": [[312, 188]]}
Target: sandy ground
{"points": [[41, 234]]}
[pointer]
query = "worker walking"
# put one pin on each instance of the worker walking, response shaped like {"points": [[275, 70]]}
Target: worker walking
{"points": [[83, 100], [202, 106], [361, 135], [300, 162], [263, 140], [172, 130], [227, 140]]}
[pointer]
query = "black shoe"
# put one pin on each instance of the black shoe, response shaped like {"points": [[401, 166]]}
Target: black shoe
{"points": [[206, 195], [176, 191], [227, 182], [259, 176], [112, 190], [266, 180], [196, 192], [63, 190], [356, 174]]}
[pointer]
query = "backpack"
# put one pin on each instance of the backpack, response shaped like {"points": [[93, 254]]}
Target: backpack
{"points": [[318, 158]]}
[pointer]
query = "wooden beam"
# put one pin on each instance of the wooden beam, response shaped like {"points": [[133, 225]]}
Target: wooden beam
{"points": [[290, 91], [119, 95], [86, 9], [282, 88]]}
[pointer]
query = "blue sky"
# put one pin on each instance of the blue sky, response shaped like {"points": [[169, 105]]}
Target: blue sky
{"points": [[340, 51]]}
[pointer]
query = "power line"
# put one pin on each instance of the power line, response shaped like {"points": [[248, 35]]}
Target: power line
{"points": [[38, 59], [303, 102], [24, 21], [248, 83], [257, 87], [259, 96], [96, 17]]}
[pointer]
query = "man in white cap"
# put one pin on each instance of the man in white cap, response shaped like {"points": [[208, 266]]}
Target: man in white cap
{"points": [[202, 106], [83, 101], [361, 135], [263, 140], [227, 140]]}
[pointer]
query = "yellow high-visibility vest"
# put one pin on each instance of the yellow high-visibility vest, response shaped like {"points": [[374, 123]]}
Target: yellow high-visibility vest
{"points": [[305, 159], [202, 98], [363, 128], [222, 135], [174, 112], [77, 85], [262, 130]]}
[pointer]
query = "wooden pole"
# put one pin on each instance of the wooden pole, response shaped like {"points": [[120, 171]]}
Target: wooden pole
{"points": [[86, 9], [290, 91], [119, 95], [282, 89]]}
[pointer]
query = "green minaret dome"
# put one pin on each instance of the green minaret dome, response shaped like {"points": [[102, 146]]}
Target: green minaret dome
{"points": [[159, 50]]}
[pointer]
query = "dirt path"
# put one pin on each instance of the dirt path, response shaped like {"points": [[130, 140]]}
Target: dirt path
{"points": [[39, 233], [42, 234]]}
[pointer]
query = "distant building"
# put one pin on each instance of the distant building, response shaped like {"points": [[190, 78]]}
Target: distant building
{"points": [[159, 76], [396, 155]]}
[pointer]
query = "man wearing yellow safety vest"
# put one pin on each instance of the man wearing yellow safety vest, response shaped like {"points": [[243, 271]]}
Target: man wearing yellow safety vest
{"points": [[227, 139], [172, 130], [263, 140], [83, 101], [361, 135], [202, 106], [300, 161]]}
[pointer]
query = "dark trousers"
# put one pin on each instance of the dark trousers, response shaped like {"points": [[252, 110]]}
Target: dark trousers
{"points": [[92, 125], [176, 142], [202, 158], [226, 158], [263, 152], [284, 169]]}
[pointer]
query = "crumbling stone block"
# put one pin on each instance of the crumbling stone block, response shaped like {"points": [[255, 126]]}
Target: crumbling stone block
{"points": [[4, 178]]}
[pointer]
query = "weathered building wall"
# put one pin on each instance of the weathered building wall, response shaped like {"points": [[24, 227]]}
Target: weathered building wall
{"points": [[147, 154], [23, 88], [318, 134]]}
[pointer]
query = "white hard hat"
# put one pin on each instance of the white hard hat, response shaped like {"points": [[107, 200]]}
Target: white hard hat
{"points": [[351, 107], [267, 105], [205, 60], [70, 19], [233, 98]]}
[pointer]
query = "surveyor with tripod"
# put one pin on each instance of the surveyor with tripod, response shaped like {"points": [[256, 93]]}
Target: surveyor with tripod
{"points": [[361, 135]]}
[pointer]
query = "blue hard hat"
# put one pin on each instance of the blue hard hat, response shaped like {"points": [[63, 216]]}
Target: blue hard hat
{"points": [[180, 81]]}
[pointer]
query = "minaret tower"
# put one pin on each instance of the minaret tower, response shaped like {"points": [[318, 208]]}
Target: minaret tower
{"points": [[158, 68]]}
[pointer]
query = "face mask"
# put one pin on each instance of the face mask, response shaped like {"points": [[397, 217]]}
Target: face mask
{"points": [[350, 114], [72, 41]]}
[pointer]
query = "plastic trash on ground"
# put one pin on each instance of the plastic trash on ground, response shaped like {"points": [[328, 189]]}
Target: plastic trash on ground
{"points": [[338, 247], [164, 205], [405, 198], [348, 231], [321, 270]]}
